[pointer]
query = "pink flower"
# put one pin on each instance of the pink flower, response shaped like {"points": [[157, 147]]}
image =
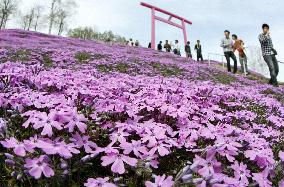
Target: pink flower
{"points": [[99, 182], [83, 141], [42, 120], [119, 136], [281, 156], [118, 162], [38, 166], [136, 147], [61, 148], [241, 175], [162, 148], [161, 181], [261, 179], [281, 183], [263, 157], [228, 148], [153, 135], [206, 168], [19, 148], [278, 121], [76, 120], [200, 182]]}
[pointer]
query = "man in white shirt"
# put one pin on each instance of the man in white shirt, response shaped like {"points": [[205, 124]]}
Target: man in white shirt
{"points": [[227, 44], [177, 48], [131, 43]]}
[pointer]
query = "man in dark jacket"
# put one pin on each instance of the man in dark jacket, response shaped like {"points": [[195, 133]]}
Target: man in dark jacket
{"points": [[160, 47], [167, 46], [188, 50], [198, 50]]}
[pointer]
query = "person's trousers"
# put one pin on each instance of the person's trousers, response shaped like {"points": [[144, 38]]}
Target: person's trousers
{"points": [[229, 55], [199, 57], [244, 64], [272, 64], [188, 55]]}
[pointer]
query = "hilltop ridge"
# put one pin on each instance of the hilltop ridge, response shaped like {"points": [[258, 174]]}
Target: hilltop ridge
{"points": [[63, 51]]}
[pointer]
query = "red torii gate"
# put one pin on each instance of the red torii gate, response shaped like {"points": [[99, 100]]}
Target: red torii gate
{"points": [[168, 21]]}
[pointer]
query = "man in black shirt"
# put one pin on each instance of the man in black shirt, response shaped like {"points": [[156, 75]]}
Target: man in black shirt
{"points": [[160, 47], [188, 50], [167, 46], [198, 50]]}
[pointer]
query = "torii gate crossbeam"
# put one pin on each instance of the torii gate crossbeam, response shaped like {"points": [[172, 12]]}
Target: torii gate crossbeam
{"points": [[168, 21]]}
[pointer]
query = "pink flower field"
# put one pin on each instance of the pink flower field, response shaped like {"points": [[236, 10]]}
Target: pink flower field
{"points": [[82, 113]]}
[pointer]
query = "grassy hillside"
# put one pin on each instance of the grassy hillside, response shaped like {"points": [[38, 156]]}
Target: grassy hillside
{"points": [[82, 113]]}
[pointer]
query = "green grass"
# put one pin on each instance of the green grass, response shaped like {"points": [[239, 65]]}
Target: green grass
{"points": [[83, 57], [278, 96], [46, 60], [166, 71], [20, 55]]}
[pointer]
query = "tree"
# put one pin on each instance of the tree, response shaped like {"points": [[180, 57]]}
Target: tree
{"points": [[108, 36], [25, 20], [120, 39], [88, 33], [60, 11], [52, 14], [65, 11], [62, 15], [30, 17], [7, 8], [38, 13]]}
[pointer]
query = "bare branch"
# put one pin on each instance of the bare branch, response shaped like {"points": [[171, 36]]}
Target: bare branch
{"points": [[64, 12], [7, 8]]}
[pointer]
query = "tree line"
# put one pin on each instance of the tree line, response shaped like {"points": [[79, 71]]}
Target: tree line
{"points": [[89, 33], [53, 16]]}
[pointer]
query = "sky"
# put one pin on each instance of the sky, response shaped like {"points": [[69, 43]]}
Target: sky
{"points": [[210, 18]]}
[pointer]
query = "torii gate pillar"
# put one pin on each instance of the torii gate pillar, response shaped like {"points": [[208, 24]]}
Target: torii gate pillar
{"points": [[168, 21], [153, 33]]}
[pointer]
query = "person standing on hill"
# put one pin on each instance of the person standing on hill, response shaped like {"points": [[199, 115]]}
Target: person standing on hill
{"points": [[198, 50], [188, 50], [239, 46], [167, 46], [227, 44], [149, 45], [160, 46], [177, 48], [136, 43], [131, 43], [269, 54]]}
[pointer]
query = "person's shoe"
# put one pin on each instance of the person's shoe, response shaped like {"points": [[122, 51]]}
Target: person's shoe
{"points": [[275, 84]]}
